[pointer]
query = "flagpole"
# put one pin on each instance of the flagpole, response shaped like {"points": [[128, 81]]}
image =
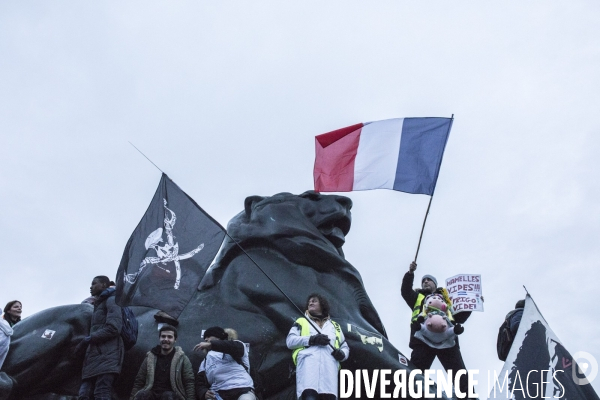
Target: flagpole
{"points": [[147, 158], [428, 207], [423, 227]]}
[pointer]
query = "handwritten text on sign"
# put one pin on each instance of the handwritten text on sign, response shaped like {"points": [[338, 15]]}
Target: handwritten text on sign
{"points": [[465, 292]]}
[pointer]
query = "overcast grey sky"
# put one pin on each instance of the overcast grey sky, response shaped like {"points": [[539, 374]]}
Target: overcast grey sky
{"points": [[226, 97]]}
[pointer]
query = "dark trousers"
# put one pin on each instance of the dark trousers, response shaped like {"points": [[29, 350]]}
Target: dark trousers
{"points": [[422, 356], [150, 395], [310, 394], [97, 387]]}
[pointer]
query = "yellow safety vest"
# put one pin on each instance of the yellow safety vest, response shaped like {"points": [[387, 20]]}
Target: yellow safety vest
{"points": [[417, 307], [305, 331]]}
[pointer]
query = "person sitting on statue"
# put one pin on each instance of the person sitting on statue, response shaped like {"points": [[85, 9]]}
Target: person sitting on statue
{"points": [[224, 372], [12, 312], [317, 353], [166, 373], [423, 353]]}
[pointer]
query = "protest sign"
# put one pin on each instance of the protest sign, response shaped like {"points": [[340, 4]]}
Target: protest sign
{"points": [[465, 292]]}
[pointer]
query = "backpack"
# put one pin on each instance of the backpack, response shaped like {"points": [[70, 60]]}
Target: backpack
{"points": [[129, 331], [505, 337]]}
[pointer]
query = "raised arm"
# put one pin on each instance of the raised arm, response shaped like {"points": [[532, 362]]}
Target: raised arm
{"points": [[406, 290], [234, 348]]}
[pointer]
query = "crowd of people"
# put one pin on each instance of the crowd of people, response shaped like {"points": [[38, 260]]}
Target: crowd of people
{"points": [[166, 373], [316, 342]]}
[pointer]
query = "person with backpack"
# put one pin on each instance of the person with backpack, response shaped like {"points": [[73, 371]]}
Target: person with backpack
{"points": [[129, 330], [317, 353], [224, 373], [104, 346], [508, 330], [166, 373], [422, 355]]}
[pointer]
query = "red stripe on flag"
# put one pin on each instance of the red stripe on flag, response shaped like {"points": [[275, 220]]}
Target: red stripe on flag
{"points": [[334, 161], [330, 137]]}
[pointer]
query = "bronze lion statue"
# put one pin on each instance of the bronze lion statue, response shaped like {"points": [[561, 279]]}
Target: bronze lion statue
{"points": [[297, 241]]}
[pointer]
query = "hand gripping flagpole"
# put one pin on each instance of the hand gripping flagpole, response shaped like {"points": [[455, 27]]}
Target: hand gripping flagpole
{"points": [[427, 212]]}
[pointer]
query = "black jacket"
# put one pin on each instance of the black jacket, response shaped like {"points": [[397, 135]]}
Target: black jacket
{"points": [[105, 352], [410, 296]]}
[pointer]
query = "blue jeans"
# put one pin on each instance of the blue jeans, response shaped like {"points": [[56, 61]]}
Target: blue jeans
{"points": [[97, 387]]}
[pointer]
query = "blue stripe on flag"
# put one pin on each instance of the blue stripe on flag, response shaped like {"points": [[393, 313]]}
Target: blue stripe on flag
{"points": [[421, 151]]}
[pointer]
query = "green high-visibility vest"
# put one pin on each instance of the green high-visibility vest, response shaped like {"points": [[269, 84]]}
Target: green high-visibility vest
{"points": [[305, 331], [417, 307]]}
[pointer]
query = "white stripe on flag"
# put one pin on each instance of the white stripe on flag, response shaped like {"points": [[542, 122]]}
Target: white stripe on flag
{"points": [[377, 156]]}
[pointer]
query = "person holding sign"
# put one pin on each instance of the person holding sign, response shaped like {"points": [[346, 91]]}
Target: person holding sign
{"points": [[423, 354]]}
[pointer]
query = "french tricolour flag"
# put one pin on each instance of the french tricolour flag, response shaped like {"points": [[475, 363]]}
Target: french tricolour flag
{"points": [[402, 154]]}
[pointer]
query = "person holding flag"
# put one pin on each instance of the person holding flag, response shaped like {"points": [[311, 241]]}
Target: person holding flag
{"points": [[422, 355]]}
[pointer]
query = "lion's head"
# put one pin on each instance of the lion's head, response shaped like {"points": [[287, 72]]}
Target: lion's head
{"points": [[322, 218], [308, 232], [310, 229]]}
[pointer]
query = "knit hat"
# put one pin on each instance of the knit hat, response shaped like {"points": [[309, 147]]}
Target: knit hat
{"points": [[217, 332], [429, 277]]}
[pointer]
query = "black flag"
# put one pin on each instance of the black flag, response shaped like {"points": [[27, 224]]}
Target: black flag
{"points": [[168, 252], [538, 365]]}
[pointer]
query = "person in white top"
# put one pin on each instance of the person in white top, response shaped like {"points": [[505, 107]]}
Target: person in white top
{"points": [[224, 372], [5, 334], [317, 353]]}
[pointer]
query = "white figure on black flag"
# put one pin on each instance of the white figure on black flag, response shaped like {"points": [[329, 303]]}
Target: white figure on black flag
{"points": [[167, 253]]}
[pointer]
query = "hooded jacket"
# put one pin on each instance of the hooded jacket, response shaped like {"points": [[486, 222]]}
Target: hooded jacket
{"points": [[181, 374], [105, 352]]}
